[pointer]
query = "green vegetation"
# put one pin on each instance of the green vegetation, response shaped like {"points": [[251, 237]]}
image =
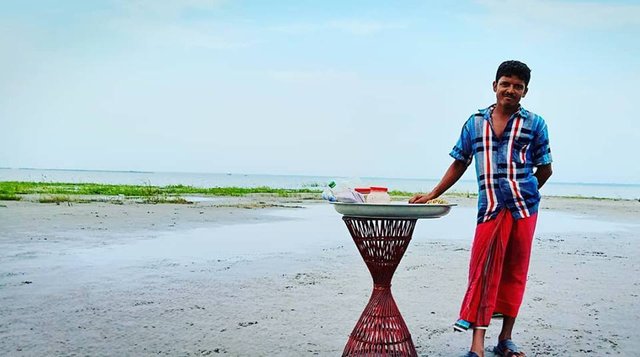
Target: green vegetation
{"points": [[9, 194], [400, 193], [10, 190], [152, 194], [166, 199], [448, 194], [57, 199], [54, 192], [9, 197]]}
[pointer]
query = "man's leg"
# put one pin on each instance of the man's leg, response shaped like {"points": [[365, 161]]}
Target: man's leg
{"points": [[507, 328], [485, 268], [506, 347], [514, 275], [477, 344], [515, 266]]}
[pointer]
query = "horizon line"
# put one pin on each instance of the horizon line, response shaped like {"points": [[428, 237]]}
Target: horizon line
{"points": [[300, 175]]}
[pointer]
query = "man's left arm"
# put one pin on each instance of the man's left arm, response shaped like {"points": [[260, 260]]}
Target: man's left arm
{"points": [[543, 173], [542, 154]]}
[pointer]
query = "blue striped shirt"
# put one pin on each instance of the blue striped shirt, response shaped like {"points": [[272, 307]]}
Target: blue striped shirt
{"points": [[504, 166]]}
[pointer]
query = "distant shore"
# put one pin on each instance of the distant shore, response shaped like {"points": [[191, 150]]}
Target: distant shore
{"points": [[614, 190], [59, 192]]}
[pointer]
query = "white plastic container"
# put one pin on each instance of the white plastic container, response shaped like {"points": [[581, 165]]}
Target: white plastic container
{"points": [[378, 195], [364, 191]]}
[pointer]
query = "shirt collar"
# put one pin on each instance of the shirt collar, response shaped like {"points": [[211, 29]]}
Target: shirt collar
{"points": [[486, 112]]}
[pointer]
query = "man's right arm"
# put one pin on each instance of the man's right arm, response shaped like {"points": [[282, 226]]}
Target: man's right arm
{"points": [[453, 174]]}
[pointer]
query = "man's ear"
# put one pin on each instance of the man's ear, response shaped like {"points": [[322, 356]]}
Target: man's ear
{"points": [[526, 90], [495, 86]]}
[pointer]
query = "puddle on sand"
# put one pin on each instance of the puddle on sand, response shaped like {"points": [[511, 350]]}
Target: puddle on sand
{"points": [[307, 230], [303, 230]]}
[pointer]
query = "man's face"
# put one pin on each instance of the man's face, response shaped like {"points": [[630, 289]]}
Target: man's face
{"points": [[509, 90]]}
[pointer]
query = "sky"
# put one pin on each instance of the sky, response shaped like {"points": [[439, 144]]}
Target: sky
{"points": [[345, 88]]}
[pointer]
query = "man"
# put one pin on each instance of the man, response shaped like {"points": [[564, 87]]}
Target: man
{"points": [[508, 143]]}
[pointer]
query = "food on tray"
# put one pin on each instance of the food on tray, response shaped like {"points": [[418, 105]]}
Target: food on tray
{"points": [[437, 201]]}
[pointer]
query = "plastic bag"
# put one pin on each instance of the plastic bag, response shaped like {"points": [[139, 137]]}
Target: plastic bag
{"points": [[341, 193]]}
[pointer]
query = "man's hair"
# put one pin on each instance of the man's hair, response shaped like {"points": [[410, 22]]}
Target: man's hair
{"points": [[514, 68]]}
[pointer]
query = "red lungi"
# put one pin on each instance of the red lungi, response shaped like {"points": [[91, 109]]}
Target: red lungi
{"points": [[498, 268]]}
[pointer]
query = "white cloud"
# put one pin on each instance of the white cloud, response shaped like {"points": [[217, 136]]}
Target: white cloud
{"points": [[165, 8], [563, 14], [181, 35], [351, 26], [160, 23], [328, 75], [364, 27]]}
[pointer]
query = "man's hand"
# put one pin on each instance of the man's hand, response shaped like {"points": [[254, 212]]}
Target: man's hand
{"points": [[453, 174], [421, 198], [542, 174]]}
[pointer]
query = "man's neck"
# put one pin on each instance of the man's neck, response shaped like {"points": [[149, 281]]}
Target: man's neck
{"points": [[505, 111]]}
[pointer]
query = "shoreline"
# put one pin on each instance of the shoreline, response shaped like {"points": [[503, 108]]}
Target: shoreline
{"points": [[56, 192], [610, 209], [140, 279]]}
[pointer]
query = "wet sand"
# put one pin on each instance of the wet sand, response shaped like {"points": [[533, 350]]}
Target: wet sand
{"points": [[263, 277]]}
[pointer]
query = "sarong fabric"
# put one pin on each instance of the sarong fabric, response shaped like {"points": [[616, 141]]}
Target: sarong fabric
{"points": [[498, 268]]}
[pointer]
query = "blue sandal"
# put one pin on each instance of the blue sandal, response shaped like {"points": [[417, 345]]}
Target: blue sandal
{"points": [[471, 354], [461, 325], [507, 348]]}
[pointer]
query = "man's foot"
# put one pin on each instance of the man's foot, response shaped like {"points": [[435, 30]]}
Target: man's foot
{"points": [[508, 348], [471, 354]]}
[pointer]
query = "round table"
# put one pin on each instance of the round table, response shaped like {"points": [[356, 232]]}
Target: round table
{"points": [[382, 233]]}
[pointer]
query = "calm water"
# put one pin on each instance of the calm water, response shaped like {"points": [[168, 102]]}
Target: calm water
{"points": [[626, 191], [310, 230]]}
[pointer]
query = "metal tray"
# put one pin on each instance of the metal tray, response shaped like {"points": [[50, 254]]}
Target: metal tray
{"points": [[392, 210]]}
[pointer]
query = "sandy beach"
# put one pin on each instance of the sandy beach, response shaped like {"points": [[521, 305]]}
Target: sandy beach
{"points": [[261, 276]]}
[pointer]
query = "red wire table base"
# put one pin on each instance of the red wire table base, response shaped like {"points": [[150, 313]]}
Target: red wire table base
{"points": [[380, 331]]}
